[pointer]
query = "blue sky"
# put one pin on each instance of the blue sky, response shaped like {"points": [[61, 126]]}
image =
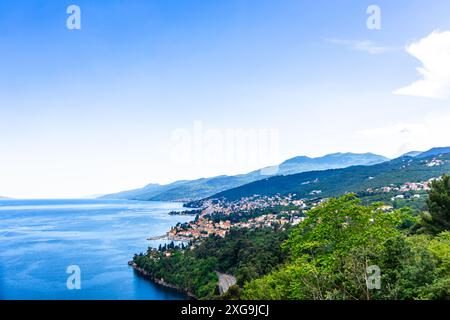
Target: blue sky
{"points": [[95, 110]]}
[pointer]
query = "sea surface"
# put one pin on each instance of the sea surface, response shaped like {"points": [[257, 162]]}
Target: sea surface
{"points": [[41, 239]]}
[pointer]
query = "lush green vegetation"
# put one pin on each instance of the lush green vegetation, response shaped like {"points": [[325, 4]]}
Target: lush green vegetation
{"points": [[246, 254], [418, 205], [332, 254], [329, 254], [438, 218]]}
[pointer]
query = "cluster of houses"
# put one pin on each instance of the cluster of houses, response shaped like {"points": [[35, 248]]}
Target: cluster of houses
{"points": [[204, 226], [201, 228], [292, 212], [406, 187], [435, 163], [269, 220], [253, 203], [404, 191]]}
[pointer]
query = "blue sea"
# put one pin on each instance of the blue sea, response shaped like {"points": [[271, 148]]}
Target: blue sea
{"points": [[40, 239]]}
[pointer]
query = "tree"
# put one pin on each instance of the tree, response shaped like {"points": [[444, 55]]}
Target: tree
{"points": [[438, 218], [233, 293], [331, 252]]}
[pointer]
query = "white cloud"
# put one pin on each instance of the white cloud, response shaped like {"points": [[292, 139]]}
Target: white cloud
{"points": [[433, 52], [364, 45], [398, 138]]}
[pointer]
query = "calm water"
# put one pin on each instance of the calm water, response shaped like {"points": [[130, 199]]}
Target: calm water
{"points": [[39, 239]]}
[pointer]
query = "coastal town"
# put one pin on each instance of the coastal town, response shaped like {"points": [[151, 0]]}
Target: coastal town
{"points": [[217, 217]]}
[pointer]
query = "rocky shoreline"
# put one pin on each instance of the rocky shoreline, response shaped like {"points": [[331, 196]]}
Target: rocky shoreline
{"points": [[162, 237], [169, 238], [160, 282]]}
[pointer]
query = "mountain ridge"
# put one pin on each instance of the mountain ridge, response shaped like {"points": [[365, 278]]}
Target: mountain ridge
{"points": [[434, 152], [335, 182], [189, 190]]}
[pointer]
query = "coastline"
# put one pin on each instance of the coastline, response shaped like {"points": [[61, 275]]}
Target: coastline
{"points": [[107, 218], [160, 282], [169, 238], [163, 237]]}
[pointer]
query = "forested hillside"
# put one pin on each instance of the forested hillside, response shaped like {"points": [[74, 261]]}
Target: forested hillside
{"points": [[331, 183]]}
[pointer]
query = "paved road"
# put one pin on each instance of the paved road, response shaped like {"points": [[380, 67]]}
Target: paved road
{"points": [[225, 281]]}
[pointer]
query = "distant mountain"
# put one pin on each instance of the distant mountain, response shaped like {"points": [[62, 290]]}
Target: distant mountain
{"points": [[434, 152], [4, 198], [331, 161], [412, 154], [188, 190], [336, 182], [135, 194], [183, 190]]}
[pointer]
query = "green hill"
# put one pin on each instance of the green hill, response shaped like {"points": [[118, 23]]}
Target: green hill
{"points": [[188, 190], [330, 183]]}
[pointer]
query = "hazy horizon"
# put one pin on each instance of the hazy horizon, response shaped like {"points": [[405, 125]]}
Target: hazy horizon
{"points": [[94, 196]]}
